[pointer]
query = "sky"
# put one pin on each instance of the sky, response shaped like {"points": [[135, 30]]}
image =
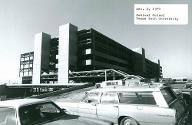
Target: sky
{"points": [[20, 20]]}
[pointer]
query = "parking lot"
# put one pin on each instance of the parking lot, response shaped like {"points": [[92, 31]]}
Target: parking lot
{"points": [[77, 95], [74, 96]]}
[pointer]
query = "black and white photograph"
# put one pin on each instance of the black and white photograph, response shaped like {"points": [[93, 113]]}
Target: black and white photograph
{"points": [[95, 62]]}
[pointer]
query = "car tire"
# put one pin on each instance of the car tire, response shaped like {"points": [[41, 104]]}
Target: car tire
{"points": [[128, 121]]}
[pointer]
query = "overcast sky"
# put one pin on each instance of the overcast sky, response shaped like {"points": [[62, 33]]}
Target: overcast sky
{"points": [[20, 20]]}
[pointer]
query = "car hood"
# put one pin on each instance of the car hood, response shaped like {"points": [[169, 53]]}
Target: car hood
{"points": [[77, 120], [69, 106]]}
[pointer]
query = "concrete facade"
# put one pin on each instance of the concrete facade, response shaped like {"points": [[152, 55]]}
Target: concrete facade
{"points": [[67, 51], [41, 56], [106, 53]]}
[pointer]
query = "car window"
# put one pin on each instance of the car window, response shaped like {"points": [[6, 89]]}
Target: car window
{"points": [[109, 97], [128, 98], [146, 98], [92, 97], [137, 98], [7, 116], [111, 83], [38, 113], [168, 95]]}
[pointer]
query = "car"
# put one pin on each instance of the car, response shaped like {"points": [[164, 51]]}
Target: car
{"points": [[183, 90], [141, 105], [40, 112], [188, 85], [109, 83], [130, 80]]}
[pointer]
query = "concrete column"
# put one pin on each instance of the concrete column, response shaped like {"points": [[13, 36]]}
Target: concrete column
{"points": [[41, 56], [67, 51]]}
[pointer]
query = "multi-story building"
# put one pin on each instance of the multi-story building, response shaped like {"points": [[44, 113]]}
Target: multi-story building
{"points": [[83, 50], [97, 51]]}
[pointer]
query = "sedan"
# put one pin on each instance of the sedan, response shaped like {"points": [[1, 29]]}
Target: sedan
{"points": [[40, 112]]}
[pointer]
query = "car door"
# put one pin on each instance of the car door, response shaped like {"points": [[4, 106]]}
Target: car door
{"points": [[107, 109], [143, 107], [87, 107]]}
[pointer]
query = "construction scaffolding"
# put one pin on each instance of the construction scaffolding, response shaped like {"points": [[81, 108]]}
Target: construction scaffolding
{"points": [[26, 64], [100, 75], [90, 76]]}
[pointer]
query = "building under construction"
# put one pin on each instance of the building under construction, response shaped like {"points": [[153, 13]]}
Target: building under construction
{"points": [[82, 55]]}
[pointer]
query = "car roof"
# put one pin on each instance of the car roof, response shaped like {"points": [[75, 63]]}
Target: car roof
{"points": [[16, 103], [127, 89]]}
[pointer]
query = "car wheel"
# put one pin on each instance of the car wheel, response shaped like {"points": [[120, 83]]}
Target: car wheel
{"points": [[128, 121]]}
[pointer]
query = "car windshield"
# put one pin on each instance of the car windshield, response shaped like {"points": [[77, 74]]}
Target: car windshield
{"points": [[39, 113], [168, 95], [7, 116]]}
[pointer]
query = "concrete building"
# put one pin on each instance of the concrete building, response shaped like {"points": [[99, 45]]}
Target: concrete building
{"points": [[83, 50], [97, 51]]}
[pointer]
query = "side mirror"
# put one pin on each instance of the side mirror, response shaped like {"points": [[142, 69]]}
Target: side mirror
{"points": [[88, 101], [63, 109]]}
